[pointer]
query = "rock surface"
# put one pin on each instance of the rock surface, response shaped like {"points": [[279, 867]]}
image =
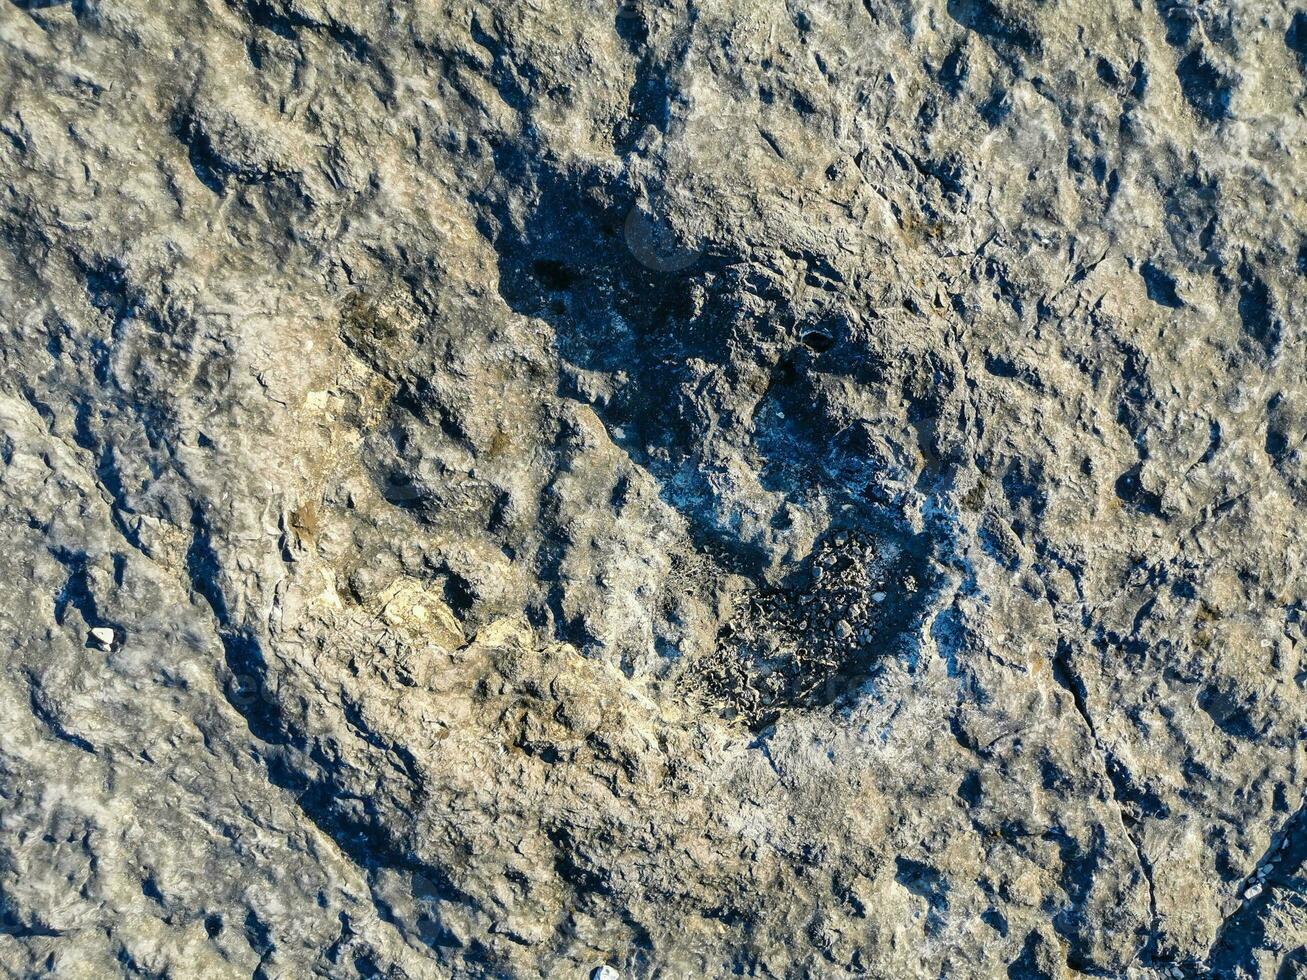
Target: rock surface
{"points": [[767, 489]]}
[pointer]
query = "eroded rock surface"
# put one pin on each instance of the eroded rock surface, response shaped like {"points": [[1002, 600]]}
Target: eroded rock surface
{"points": [[783, 490]]}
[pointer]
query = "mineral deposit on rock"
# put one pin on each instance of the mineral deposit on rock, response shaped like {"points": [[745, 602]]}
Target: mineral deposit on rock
{"points": [[776, 489]]}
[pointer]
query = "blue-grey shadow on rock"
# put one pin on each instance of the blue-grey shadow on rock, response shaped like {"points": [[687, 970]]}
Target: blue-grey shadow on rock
{"points": [[628, 299]]}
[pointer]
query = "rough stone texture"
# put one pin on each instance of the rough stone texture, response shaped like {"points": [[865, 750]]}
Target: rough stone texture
{"points": [[774, 489]]}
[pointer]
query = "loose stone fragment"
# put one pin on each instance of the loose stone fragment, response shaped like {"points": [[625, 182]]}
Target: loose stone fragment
{"points": [[801, 643], [103, 637]]}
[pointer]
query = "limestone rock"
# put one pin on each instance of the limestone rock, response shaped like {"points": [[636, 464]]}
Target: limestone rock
{"points": [[780, 490]]}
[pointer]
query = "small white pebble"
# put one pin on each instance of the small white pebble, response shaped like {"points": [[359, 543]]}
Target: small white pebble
{"points": [[103, 636], [604, 972], [1252, 892], [878, 597]]}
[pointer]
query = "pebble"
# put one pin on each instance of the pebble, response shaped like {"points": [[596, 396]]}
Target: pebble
{"points": [[1253, 892], [843, 630], [878, 597], [103, 637], [604, 972]]}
